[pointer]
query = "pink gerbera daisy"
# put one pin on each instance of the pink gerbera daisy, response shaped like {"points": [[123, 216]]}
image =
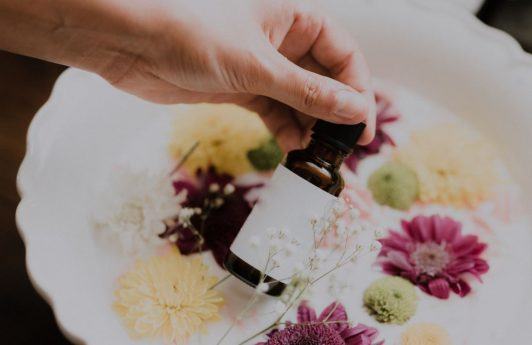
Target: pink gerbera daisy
{"points": [[330, 328], [433, 253]]}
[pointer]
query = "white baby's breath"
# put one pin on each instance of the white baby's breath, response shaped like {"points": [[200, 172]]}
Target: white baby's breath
{"points": [[132, 208]]}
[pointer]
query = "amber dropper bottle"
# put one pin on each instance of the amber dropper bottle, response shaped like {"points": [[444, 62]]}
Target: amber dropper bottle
{"points": [[319, 165]]}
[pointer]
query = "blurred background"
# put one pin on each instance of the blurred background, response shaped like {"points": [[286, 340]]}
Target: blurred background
{"points": [[25, 84]]}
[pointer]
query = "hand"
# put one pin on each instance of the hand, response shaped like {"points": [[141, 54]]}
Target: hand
{"points": [[283, 59]]}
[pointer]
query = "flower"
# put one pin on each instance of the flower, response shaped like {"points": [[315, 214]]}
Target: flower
{"points": [[266, 156], [395, 185], [454, 165], [432, 253], [168, 296], [215, 210], [391, 300], [386, 113], [425, 334], [132, 210], [332, 327], [225, 134]]}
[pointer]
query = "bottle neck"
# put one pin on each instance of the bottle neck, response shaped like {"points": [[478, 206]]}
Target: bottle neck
{"points": [[326, 152]]}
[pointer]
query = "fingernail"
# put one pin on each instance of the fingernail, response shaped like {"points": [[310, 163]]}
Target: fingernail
{"points": [[349, 104]]}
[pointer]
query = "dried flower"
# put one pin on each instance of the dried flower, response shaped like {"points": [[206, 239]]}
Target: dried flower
{"points": [[425, 334], [225, 134], [454, 165], [386, 113], [216, 210], [432, 253], [167, 296], [332, 327], [266, 156], [133, 207], [395, 185], [391, 300]]}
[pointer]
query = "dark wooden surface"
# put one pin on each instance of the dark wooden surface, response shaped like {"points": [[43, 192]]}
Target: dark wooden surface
{"points": [[25, 84]]}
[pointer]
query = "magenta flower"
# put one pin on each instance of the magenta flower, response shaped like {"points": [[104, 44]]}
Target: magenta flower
{"points": [[432, 253], [386, 113], [330, 328], [223, 212]]}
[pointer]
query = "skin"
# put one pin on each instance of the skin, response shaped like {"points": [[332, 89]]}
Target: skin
{"points": [[284, 59]]}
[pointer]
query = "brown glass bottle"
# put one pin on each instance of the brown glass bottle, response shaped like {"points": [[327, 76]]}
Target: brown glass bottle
{"points": [[319, 164]]}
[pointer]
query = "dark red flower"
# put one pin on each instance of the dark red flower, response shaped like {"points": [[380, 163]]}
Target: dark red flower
{"points": [[221, 211], [330, 328], [432, 253], [386, 113]]}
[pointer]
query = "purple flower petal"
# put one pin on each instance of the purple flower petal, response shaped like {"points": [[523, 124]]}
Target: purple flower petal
{"points": [[335, 312], [306, 314], [219, 225], [439, 288], [311, 330]]}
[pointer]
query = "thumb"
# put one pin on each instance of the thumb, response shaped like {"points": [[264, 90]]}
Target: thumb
{"points": [[313, 94]]}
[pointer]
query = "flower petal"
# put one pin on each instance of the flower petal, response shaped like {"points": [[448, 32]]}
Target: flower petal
{"points": [[439, 288], [306, 314], [461, 287], [335, 312], [400, 260]]}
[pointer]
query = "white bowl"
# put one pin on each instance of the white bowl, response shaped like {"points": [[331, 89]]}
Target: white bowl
{"points": [[437, 50]]}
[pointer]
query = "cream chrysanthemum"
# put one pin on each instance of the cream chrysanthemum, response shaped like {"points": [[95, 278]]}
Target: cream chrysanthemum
{"points": [[425, 334], [167, 296], [454, 165], [225, 133]]}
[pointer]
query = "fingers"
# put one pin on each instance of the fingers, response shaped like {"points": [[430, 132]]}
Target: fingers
{"points": [[335, 50], [281, 122], [332, 52], [312, 93]]}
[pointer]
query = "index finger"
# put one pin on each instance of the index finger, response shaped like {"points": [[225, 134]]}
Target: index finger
{"points": [[335, 50]]}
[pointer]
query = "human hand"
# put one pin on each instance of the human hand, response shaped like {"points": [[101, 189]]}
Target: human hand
{"points": [[283, 59]]}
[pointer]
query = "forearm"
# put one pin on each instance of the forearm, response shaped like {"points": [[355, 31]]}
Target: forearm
{"points": [[102, 36]]}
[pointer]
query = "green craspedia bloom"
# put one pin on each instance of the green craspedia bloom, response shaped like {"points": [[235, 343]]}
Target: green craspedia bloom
{"points": [[266, 156], [391, 300], [395, 185]]}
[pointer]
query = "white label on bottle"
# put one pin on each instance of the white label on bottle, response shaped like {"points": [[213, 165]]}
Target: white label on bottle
{"points": [[278, 235]]}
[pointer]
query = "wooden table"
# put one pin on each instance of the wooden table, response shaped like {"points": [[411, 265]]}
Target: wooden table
{"points": [[25, 84]]}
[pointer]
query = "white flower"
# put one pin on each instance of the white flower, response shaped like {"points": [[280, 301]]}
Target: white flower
{"points": [[272, 232], [214, 187], [263, 287], [354, 213], [375, 246], [132, 208], [229, 189], [185, 214], [341, 228]]}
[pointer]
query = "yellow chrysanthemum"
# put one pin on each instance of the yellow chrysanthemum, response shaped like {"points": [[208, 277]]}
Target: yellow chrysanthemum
{"points": [[225, 134], [167, 296], [454, 166], [425, 334]]}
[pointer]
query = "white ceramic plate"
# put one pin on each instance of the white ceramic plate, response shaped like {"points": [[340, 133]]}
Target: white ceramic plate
{"points": [[437, 50]]}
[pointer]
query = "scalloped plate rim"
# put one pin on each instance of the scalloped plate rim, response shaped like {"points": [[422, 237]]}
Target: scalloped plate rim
{"points": [[515, 53]]}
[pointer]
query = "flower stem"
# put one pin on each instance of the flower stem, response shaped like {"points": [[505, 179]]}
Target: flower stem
{"points": [[219, 282], [185, 157]]}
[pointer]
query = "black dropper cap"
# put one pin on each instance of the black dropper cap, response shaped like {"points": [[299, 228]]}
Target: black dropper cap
{"points": [[344, 137]]}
